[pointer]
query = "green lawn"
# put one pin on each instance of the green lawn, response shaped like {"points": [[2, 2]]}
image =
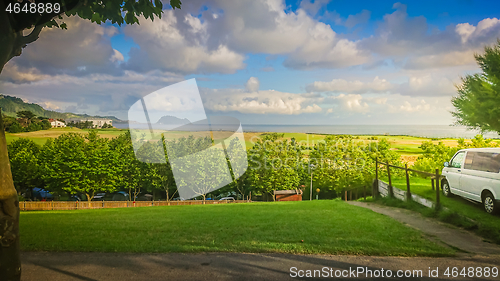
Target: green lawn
{"points": [[327, 227], [484, 224]]}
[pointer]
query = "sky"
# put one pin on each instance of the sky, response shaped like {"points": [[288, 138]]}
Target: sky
{"points": [[267, 61]]}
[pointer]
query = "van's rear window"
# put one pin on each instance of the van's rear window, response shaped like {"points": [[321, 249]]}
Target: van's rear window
{"points": [[482, 161]]}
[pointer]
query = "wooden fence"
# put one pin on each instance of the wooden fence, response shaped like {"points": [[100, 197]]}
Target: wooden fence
{"points": [[79, 205], [379, 186]]}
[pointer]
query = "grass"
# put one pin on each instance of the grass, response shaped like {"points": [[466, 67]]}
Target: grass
{"points": [[406, 146], [327, 227], [40, 137], [484, 224]]}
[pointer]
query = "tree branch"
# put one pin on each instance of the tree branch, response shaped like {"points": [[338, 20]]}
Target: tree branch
{"points": [[32, 37]]}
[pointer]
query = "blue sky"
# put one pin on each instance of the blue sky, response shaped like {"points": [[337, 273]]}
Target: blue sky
{"points": [[269, 61]]}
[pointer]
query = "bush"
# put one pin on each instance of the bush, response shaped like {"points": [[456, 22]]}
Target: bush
{"points": [[15, 127]]}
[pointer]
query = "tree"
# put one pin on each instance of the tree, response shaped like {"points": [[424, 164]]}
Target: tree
{"points": [[478, 100], [24, 164], [26, 115], [79, 164], [12, 27]]}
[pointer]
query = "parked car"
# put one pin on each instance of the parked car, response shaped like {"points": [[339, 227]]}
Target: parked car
{"points": [[99, 197], [144, 197], [120, 196], [42, 194], [474, 174], [226, 198], [74, 198]]}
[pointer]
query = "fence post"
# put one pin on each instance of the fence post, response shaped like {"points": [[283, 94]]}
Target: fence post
{"points": [[408, 192], [437, 190], [432, 183], [391, 194], [345, 195], [375, 182]]}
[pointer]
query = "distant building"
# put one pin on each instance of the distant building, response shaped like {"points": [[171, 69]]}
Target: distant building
{"points": [[98, 122], [56, 123]]}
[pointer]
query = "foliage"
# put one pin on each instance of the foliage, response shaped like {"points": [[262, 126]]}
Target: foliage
{"points": [[274, 164], [23, 154], [78, 164], [476, 105], [28, 122], [434, 155], [25, 114]]}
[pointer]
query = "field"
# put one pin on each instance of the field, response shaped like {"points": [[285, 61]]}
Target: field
{"points": [[406, 146], [327, 227], [484, 224], [40, 137]]}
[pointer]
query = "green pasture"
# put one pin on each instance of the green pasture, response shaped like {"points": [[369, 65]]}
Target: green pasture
{"points": [[404, 145], [326, 227], [40, 137]]}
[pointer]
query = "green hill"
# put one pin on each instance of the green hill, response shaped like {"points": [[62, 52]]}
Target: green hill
{"points": [[11, 105]]}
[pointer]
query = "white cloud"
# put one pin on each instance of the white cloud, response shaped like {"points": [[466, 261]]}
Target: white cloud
{"points": [[352, 103], [353, 20], [265, 27], [419, 83], [261, 102], [49, 105], [409, 42], [83, 44], [421, 106], [252, 84], [344, 86], [312, 7], [117, 56], [165, 46]]}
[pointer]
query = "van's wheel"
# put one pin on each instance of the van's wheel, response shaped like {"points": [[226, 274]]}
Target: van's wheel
{"points": [[446, 189], [489, 203]]}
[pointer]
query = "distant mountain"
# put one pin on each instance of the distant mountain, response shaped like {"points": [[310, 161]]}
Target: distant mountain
{"points": [[172, 120], [11, 105]]}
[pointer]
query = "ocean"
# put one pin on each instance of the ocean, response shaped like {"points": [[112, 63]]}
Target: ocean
{"points": [[429, 131]]}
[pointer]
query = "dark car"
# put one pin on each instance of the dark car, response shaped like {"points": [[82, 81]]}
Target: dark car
{"points": [[120, 196], [99, 197], [42, 194]]}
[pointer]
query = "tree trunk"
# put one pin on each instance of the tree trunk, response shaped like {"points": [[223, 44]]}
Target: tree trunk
{"points": [[10, 261]]}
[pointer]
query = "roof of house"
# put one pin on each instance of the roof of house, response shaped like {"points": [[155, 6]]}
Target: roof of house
{"points": [[291, 191]]}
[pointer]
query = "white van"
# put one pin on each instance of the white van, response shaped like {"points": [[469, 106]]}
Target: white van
{"points": [[474, 174]]}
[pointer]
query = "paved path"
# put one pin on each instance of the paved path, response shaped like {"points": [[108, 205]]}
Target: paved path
{"points": [[52, 266], [445, 233], [225, 266]]}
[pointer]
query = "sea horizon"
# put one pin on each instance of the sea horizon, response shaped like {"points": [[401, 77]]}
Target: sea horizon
{"points": [[427, 131]]}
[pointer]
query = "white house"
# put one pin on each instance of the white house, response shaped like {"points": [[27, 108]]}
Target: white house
{"points": [[97, 122], [56, 123]]}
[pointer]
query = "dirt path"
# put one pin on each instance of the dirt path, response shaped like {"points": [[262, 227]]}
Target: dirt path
{"points": [[455, 237]]}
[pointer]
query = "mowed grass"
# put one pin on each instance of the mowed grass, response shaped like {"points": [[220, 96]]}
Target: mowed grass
{"points": [[327, 227], [484, 224]]}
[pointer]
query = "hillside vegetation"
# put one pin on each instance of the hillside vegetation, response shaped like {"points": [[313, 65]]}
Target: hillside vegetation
{"points": [[11, 105]]}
